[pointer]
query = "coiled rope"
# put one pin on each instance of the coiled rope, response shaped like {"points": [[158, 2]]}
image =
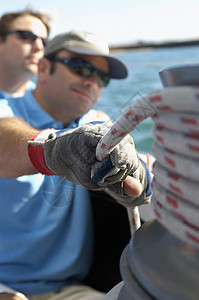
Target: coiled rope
{"points": [[175, 112]]}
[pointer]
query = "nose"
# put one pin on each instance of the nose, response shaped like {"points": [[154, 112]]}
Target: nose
{"points": [[38, 44]]}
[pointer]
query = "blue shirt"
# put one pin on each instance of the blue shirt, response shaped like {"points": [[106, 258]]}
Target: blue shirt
{"points": [[46, 237], [30, 86]]}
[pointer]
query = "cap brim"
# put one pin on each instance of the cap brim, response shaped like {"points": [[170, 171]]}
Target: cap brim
{"points": [[117, 68]]}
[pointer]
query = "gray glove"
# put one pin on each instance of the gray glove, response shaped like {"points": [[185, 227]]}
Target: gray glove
{"points": [[143, 175], [103, 172], [72, 154]]}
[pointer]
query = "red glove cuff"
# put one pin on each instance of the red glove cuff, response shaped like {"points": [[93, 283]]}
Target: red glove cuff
{"points": [[36, 151]]}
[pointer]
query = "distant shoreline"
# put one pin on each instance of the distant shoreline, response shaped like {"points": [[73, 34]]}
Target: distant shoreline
{"points": [[145, 45]]}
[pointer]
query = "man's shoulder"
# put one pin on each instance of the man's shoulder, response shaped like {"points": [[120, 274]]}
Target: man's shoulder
{"points": [[94, 115], [10, 106]]}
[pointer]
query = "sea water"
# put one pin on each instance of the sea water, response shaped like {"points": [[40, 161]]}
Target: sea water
{"points": [[143, 67]]}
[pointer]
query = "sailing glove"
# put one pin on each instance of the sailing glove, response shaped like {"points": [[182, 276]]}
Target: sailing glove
{"points": [[72, 154], [143, 175]]}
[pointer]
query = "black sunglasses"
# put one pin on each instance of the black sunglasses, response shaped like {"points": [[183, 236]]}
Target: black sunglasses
{"points": [[27, 35], [84, 68]]}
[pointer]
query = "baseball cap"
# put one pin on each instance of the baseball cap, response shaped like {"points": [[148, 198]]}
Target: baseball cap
{"points": [[86, 43]]}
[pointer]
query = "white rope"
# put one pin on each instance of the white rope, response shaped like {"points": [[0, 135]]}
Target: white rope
{"points": [[175, 112]]}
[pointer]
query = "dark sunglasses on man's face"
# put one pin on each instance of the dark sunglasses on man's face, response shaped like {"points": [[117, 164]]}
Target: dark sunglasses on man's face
{"points": [[82, 67], [27, 35]]}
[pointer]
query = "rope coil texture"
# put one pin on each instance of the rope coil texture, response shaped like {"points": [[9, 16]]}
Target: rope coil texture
{"points": [[175, 112]]}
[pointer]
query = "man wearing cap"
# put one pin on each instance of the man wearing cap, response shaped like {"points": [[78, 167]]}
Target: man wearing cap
{"points": [[46, 236]]}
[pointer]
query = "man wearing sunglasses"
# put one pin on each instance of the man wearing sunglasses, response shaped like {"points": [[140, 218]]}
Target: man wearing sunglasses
{"points": [[46, 232], [23, 36]]}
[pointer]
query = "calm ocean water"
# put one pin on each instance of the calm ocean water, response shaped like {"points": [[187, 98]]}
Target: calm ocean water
{"points": [[143, 78]]}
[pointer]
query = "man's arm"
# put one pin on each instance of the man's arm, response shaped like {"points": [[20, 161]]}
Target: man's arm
{"points": [[14, 160]]}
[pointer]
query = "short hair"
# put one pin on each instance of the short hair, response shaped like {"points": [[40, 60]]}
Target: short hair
{"points": [[7, 19]]}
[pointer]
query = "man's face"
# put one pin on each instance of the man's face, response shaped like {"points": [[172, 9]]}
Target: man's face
{"points": [[21, 56], [68, 95]]}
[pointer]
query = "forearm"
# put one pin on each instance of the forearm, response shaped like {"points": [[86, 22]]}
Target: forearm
{"points": [[14, 159]]}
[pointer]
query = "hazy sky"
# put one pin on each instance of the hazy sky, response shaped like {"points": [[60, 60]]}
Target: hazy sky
{"points": [[120, 21]]}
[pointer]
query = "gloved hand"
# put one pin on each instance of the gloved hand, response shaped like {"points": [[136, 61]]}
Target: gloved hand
{"points": [[72, 154], [139, 169], [143, 175]]}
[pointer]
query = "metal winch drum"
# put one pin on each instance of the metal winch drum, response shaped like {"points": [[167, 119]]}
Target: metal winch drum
{"points": [[157, 264]]}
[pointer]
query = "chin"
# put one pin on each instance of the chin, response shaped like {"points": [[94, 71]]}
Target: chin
{"points": [[33, 69]]}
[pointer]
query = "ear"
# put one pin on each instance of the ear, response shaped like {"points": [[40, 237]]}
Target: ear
{"points": [[43, 70]]}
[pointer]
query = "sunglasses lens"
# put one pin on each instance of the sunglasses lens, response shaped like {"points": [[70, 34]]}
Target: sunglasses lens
{"points": [[82, 70], [87, 72], [103, 80], [44, 41], [30, 36], [26, 35]]}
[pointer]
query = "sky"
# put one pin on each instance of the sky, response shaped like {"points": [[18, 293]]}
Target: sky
{"points": [[119, 22]]}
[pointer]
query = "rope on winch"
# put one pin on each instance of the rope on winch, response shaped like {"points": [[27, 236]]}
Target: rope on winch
{"points": [[175, 112]]}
